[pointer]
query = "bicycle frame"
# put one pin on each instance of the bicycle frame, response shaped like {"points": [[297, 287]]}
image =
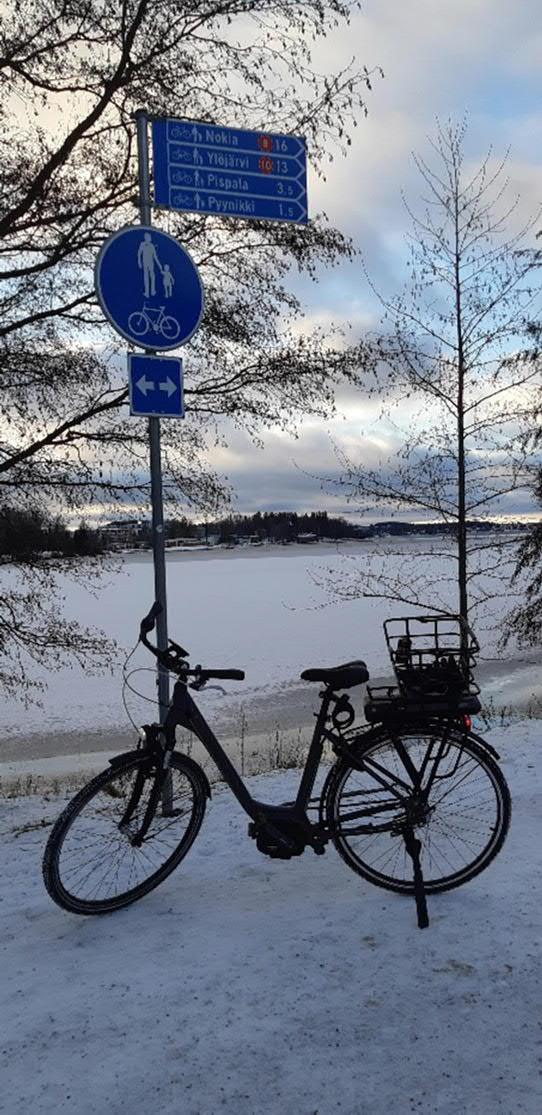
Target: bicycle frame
{"points": [[154, 315], [184, 712]]}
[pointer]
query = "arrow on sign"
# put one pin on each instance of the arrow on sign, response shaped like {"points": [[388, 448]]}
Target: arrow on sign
{"points": [[145, 385], [168, 386]]}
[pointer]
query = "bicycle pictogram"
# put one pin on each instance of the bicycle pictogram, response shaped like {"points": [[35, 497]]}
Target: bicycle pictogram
{"points": [[155, 320]]}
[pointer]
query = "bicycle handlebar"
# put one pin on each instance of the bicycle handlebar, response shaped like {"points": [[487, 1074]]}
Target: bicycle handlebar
{"points": [[147, 623], [172, 659], [234, 675]]}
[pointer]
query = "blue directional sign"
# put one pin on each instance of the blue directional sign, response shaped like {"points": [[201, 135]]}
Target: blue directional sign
{"points": [[229, 172], [149, 287], [156, 386]]}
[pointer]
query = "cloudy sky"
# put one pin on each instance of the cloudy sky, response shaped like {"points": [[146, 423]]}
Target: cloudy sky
{"points": [[441, 58]]}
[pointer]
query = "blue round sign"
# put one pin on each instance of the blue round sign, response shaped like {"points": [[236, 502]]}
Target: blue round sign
{"points": [[149, 287]]}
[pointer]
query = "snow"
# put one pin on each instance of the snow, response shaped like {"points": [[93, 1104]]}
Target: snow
{"points": [[247, 985], [256, 612], [257, 609]]}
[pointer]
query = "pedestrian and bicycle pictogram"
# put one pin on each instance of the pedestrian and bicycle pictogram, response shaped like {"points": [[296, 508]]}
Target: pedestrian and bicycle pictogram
{"points": [[149, 287]]}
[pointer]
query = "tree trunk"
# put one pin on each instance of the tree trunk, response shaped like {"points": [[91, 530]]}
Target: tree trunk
{"points": [[461, 494]]}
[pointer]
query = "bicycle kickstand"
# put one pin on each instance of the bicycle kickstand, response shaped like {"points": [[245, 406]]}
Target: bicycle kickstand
{"points": [[413, 846]]}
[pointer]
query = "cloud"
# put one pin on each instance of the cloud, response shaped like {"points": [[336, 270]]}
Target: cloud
{"points": [[441, 58]]}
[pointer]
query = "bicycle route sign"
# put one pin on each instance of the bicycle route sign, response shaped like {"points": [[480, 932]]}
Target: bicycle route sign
{"points": [[156, 386], [229, 172], [149, 288]]}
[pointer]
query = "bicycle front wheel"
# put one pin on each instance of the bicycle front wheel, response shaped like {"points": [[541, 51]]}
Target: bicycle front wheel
{"points": [[92, 862], [462, 825], [138, 323]]}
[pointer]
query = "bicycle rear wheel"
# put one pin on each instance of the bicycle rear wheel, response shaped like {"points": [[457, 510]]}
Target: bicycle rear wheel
{"points": [[170, 328], [461, 830], [92, 866]]}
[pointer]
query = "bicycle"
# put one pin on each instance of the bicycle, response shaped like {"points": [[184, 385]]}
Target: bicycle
{"points": [[141, 321], [415, 801]]}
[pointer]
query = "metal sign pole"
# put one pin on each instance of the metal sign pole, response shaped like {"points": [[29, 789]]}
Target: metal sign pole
{"points": [[158, 540]]}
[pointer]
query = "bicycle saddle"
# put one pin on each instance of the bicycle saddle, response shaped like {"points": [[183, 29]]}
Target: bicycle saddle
{"points": [[339, 677]]}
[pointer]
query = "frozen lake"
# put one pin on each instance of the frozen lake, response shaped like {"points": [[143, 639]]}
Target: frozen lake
{"points": [[263, 610]]}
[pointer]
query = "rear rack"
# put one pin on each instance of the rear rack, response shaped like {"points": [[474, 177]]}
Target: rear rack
{"points": [[389, 702]]}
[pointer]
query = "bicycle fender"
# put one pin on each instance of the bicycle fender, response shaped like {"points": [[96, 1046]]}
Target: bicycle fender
{"points": [[484, 744], [143, 752], [117, 760]]}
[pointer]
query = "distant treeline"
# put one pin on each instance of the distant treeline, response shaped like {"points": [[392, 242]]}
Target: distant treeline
{"points": [[277, 526], [23, 533], [280, 526]]}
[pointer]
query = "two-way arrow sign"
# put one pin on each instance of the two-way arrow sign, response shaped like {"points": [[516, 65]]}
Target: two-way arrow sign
{"points": [[156, 386], [143, 384]]}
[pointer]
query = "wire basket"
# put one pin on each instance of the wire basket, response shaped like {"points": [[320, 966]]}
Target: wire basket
{"points": [[432, 655]]}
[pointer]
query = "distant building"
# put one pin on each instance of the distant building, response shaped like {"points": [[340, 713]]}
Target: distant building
{"points": [[171, 543], [207, 533], [124, 532], [307, 537]]}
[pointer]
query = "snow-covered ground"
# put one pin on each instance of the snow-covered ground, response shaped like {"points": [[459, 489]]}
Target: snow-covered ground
{"points": [[250, 986]]}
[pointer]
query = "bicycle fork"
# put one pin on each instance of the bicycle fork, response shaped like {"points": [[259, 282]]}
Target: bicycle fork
{"points": [[161, 790]]}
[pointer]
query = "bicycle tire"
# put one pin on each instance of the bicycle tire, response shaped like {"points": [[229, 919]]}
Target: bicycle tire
{"points": [[170, 328], [109, 787], [138, 323], [452, 833]]}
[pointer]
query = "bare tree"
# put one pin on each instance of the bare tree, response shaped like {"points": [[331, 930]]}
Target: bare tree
{"points": [[458, 360], [72, 74]]}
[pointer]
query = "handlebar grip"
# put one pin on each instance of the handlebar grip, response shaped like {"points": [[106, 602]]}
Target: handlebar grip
{"points": [[233, 675], [147, 623]]}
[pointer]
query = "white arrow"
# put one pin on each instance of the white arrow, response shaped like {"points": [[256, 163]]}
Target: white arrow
{"points": [[168, 386], [145, 384]]}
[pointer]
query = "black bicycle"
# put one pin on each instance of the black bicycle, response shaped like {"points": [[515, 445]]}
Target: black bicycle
{"points": [[415, 801]]}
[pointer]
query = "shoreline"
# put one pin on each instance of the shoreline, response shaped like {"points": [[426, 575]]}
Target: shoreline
{"points": [[250, 551], [273, 620], [278, 717]]}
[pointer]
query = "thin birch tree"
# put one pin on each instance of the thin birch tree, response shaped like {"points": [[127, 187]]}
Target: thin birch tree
{"points": [[457, 363]]}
